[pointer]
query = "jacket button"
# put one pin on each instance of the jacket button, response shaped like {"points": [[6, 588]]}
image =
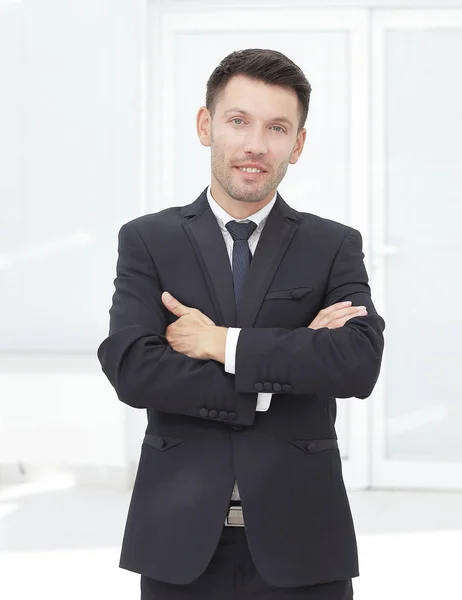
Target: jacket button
{"points": [[298, 294], [277, 387], [286, 387], [268, 386], [223, 414], [259, 387], [311, 447], [232, 415], [237, 427], [213, 414], [204, 412]]}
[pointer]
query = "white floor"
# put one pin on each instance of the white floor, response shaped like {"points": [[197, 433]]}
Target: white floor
{"points": [[62, 542]]}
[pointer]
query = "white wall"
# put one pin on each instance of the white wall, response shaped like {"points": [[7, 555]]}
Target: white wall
{"points": [[70, 152]]}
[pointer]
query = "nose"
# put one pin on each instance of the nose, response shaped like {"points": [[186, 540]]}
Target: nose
{"points": [[255, 142]]}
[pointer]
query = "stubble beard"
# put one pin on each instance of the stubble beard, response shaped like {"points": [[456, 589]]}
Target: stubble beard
{"points": [[224, 176]]}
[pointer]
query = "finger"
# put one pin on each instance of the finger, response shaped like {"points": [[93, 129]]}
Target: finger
{"points": [[341, 322], [174, 306], [324, 320], [200, 315], [336, 306], [340, 312], [345, 312]]}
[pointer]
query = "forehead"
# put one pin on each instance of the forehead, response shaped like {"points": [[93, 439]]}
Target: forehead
{"points": [[258, 98]]}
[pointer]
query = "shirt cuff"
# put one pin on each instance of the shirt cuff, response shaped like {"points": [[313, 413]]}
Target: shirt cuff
{"points": [[263, 401], [230, 349]]}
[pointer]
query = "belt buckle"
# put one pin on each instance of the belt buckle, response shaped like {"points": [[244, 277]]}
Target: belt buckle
{"points": [[235, 517]]}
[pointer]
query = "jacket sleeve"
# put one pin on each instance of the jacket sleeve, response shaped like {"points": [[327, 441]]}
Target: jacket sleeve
{"points": [[342, 362], [145, 371]]}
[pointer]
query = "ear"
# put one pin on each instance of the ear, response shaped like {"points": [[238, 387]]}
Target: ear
{"points": [[203, 125], [298, 147]]}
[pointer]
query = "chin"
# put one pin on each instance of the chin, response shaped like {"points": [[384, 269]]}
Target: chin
{"points": [[250, 199]]}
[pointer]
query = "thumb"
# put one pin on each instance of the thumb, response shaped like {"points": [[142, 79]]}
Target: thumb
{"points": [[174, 306]]}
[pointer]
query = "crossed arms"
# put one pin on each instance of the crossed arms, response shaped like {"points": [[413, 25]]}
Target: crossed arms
{"points": [[147, 362]]}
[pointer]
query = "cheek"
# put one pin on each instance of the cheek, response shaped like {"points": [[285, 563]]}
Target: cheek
{"points": [[284, 158], [224, 149]]}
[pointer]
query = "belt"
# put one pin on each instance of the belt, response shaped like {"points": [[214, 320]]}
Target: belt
{"points": [[235, 517]]}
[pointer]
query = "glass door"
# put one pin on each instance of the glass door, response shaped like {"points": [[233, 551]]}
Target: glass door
{"points": [[417, 247]]}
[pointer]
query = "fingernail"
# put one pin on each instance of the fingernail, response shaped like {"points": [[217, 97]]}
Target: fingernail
{"points": [[345, 303], [167, 296]]}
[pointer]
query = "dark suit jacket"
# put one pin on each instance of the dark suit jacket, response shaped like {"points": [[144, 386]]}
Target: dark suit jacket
{"points": [[203, 430]]}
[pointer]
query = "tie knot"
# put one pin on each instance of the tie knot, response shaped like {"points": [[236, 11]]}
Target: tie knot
{"points": [[240, 231]]}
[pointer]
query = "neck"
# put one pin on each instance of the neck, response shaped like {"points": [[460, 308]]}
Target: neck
{"points": [[237, 208]]}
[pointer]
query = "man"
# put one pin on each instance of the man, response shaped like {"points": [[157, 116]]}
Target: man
{"points": [[236, 322]]}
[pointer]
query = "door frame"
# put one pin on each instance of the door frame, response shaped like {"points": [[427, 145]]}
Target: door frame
{"points": [[386, 472]]}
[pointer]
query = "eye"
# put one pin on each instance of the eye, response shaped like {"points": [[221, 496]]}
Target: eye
{"points": [[237, 119], [278, 127]]}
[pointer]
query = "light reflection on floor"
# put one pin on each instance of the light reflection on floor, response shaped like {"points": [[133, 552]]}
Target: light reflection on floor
{"points": [[58, 541]]}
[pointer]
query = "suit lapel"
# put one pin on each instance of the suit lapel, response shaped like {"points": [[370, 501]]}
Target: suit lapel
{"points": [[204, 232], [206, 237], [272, 245]]}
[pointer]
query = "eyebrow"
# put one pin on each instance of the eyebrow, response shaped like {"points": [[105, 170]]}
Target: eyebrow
{"points": [[245, 113]]}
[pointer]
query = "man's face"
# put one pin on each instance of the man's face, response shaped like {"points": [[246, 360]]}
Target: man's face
{"points": [[254, 125]]}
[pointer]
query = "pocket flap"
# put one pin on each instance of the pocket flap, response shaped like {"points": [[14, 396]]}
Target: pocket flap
{"points": [[161, 442], [312, 446]]}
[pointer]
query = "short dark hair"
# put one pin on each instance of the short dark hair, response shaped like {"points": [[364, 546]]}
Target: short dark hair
{"points": [[269, 66]]}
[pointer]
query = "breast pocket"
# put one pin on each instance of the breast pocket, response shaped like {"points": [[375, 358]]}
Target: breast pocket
{"points": [[289, 294], [289, 308]]}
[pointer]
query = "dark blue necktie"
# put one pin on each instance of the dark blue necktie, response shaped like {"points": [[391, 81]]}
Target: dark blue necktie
{"points": [[240, 232]]}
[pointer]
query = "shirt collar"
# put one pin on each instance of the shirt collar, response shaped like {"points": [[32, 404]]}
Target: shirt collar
{"points": [[223, 217]]}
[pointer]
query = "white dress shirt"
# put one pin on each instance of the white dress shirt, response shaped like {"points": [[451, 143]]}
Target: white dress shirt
{"points": [[263, 399]]}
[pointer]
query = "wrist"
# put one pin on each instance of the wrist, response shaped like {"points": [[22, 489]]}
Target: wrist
{"points": [[217, 343]]}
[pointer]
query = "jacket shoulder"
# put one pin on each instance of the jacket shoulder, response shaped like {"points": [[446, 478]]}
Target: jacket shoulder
{"points": [[163, 220], [325, 227]]}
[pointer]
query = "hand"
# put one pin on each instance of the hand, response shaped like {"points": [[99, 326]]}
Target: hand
{"points": [[193, 333], [337, 315]]}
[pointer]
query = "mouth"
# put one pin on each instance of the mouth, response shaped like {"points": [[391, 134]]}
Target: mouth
{"points": [[250, 173]]}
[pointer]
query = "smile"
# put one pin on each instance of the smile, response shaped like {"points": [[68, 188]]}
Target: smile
{"points": [[250, 172]]}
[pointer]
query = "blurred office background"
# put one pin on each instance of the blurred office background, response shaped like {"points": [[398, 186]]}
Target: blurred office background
{"points": [[98, 100]]}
